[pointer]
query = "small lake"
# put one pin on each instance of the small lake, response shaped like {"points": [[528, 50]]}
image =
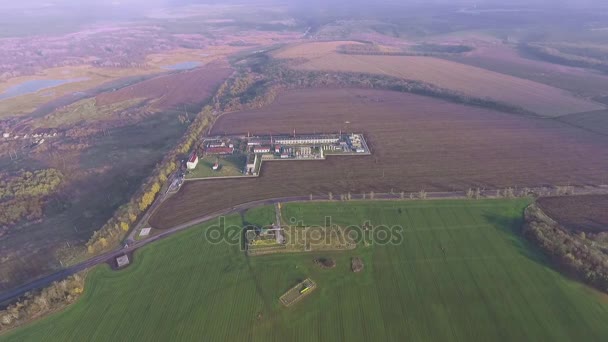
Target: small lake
{"points": [[34, 86], [182, 66]]}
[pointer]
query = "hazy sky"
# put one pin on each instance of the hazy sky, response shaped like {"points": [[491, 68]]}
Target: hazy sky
{"points": [[8, 4]]}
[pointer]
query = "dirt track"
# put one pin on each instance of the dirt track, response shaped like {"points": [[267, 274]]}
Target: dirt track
{"points": [[417, 143]]}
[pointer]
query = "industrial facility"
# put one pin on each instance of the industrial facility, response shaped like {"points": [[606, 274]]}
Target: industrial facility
{"points": [[252, 150]]}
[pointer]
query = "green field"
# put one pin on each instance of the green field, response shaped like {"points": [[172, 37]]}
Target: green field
{"points": [[230, 166], [460, 273]]}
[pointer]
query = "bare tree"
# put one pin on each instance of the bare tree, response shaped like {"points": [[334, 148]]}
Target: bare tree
{"points": [[372, 195], [402, 195], [564, 190], [470, 193], [331, 196], [422, 194], [477, 193], [349, 196]]}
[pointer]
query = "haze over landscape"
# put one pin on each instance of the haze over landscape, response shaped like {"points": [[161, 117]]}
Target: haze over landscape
{"points": [[303, 170]]}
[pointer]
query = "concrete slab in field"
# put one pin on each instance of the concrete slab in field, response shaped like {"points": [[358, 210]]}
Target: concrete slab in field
{"points": [[122, 261], [145, 232]]}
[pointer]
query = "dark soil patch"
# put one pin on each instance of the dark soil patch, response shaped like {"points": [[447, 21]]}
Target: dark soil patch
{"points": [[578, 213], [325, 263], [114, 265]]}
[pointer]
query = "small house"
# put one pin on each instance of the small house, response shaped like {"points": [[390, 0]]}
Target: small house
{"points": [[192, 161]]}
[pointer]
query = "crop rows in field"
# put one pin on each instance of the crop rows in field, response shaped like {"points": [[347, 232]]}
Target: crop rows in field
{"points": [[469, 278], [416, 143]]}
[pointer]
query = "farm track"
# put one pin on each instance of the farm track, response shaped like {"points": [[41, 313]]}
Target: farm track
{"points": [[42, 282]]}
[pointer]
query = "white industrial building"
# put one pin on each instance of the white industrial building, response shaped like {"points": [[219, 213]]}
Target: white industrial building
{"points": [[306, 140]]}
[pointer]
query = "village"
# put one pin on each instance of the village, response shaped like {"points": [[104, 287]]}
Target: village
{"points": [[242, 156]]}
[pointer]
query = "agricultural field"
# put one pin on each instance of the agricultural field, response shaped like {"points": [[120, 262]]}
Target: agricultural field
{"points": [[596, 121], [461, 272], [230, 166], [532, 96], [416, 143], [508, 60], [188, 89], [578, 213], [85, 112]]}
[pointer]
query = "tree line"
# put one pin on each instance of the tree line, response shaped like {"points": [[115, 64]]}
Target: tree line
{"points": [[34, 305], [577, 254], [555, 55], [273, 76], [422, 50], [234, 94], [116, 228]]}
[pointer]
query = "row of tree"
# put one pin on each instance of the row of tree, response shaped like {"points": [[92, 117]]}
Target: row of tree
{"points": [[573, 252], [555, 55], [233, 94], [114, 231], [279, 76], [425, 50], [33, 305]]}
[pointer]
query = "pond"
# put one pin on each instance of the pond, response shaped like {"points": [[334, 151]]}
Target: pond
{"points": [[29, 87], [182, 66]]}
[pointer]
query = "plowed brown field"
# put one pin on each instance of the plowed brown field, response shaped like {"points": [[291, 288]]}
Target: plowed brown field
{"points": [[184, 88], [578, 213], [533, 96], [417, 143]]}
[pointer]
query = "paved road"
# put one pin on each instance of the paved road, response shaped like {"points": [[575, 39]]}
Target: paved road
{"points": [[45, 281]]}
